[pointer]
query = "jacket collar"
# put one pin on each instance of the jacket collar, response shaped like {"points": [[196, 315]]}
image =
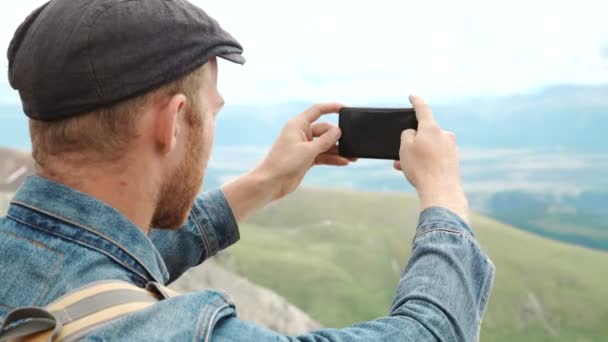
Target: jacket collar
{"points": [[108, 229]]}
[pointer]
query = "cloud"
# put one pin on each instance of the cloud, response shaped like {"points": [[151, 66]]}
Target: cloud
{"points": [[378, 52], [604, 50]]}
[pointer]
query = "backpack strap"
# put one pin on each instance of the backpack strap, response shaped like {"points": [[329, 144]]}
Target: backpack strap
{"points": [[77, 313]]}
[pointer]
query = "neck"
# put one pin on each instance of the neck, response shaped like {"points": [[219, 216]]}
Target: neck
{"points": [[127, 192]]}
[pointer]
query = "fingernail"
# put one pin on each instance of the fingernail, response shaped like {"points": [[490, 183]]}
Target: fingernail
{"points": [[412, 98], [337, 133]]}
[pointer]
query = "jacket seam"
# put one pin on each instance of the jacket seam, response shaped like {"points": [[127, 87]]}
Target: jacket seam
{"points": [[90, 230], [54, 268], [201, 322], [465, 235], [208, 252], [445, 230], [486, 292], [80, 243], [211, 321]]}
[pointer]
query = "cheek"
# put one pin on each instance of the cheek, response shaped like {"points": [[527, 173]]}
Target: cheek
{"points": [[208, 135]]}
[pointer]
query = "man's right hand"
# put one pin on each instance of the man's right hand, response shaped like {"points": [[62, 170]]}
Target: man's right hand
{"points": [[431, 162]]}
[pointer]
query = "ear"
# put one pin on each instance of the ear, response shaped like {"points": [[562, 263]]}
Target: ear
{"points": [[168, 124]]}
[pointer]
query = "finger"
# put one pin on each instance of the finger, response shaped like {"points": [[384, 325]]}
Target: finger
{"points": [[335, 151], [319, 128], [315, 112], [424, 113], [408, 136], [327, 159], [327, 139], [451, 135], [397, 165]]}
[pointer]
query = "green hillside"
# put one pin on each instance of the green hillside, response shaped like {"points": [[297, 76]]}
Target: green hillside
{"points": [[338, 256]]}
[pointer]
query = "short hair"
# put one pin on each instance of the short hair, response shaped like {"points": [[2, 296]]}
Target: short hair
{"points": [[105, 134]]}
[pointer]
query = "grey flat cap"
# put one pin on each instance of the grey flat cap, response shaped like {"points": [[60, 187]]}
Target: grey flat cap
{"points": [[71, 57]]}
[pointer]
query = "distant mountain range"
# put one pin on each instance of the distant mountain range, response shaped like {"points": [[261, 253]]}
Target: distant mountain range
{"points": [[561, 117], [569, 117], [540, 147]]}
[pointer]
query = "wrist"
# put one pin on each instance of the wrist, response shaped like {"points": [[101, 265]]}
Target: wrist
{"points": [[249, 193], [452, 198], [265, 183]]}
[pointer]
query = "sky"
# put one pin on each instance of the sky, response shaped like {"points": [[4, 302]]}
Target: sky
{"points": [[363, 52]]}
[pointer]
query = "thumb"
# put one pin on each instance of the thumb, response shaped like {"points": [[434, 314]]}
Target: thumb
{"points": [[326, 140], [407, 136]]}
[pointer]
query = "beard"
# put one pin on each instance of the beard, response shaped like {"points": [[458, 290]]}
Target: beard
{"points": [[179, 190]]}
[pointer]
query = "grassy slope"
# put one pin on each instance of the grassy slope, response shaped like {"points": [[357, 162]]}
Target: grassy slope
{"points": [[338, 256]]}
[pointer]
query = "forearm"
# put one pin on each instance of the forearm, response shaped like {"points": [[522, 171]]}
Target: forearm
{"points": [[249, 193], [451, 197], [441, 296], [447, 282]]}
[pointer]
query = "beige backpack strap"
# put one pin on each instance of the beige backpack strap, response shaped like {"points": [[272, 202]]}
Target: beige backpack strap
{"points": [[79, 312]]}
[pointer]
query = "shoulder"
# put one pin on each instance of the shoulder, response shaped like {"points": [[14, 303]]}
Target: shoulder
{"points": [[189, 316]]}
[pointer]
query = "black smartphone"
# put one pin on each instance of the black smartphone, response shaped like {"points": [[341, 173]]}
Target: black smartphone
{"points": [[374, 132]]}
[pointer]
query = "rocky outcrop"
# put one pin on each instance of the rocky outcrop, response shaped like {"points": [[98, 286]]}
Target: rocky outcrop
{"points": [[253, 303], [5, 198], [14, 167]]}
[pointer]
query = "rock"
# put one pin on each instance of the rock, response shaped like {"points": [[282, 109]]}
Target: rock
{"points": [[5, 198], [253, 303], [15, 166]]}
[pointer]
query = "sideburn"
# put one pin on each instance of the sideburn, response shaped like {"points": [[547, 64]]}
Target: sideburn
{"points": [[178, 192]]}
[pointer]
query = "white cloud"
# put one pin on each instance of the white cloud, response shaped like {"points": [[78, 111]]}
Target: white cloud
{"points": [[370, 52], [604, 50]]}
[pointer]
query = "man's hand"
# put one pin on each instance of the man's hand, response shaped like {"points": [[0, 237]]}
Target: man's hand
{"points": [[431, 162], [302, 144]]}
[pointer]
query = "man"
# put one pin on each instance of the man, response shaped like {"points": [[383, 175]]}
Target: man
{"points": [[122, 98]]}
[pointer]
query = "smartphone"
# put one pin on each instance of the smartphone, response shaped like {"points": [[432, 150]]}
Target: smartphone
{"points": [[374, 132]]}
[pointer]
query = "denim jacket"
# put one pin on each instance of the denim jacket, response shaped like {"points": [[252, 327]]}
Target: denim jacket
{"points": [[55, 239]]}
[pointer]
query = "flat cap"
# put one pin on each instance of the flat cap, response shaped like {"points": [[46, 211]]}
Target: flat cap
{"points": [[71, 57]]}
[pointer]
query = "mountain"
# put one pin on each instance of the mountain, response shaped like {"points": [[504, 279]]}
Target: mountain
{"points": [[579, 219], [570, 117], [338, 255], [14, 167]]}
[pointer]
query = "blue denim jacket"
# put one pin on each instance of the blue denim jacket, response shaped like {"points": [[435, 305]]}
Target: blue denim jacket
{"points": [[55, 239]]}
